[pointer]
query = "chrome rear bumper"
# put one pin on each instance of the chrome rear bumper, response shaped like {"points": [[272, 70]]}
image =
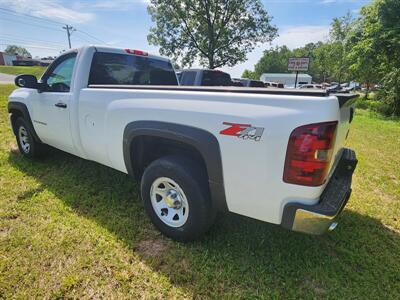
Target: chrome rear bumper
{"points": [[319, 218]]}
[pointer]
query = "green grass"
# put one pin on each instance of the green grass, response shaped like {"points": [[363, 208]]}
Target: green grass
{"points": [[15, 70], [71, 228]]}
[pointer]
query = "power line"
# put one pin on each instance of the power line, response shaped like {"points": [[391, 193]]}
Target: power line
{"points": [[67, 27], [33, 46], [93, 37], [82, 39], [9, 11], [30, 44], [55, 29], [17, 38], [31, 24]]}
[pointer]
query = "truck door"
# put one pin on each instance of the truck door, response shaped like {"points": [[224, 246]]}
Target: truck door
{"points": [[51, 110]]}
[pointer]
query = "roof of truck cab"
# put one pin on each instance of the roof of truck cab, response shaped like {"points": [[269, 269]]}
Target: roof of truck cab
{"points": [[103, 48]]}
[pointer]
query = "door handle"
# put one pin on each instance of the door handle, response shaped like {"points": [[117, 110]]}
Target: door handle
{"points": [[60, 104]]}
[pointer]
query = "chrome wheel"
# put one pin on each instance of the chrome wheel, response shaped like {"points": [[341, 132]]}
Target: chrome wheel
{"points": [[24, 139], [169, 202]]}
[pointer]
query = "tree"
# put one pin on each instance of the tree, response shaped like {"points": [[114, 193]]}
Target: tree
{"points": [[378, 42], [250, 74], [214, 32], [17, 50], [311, 50], [340, 29], [322, 64], [363, 62], [274, 60]]}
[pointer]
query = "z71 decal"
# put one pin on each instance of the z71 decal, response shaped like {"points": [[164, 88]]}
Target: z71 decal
{"points": [[243, 131]]}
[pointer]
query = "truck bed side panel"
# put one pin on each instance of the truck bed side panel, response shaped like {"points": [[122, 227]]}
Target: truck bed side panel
{"points": [[252, 170]]}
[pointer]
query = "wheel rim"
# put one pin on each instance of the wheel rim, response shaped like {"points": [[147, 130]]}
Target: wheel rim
{"points": [[24, 139], [169, 202]]}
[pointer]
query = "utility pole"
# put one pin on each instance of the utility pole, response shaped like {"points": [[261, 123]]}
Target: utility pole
{"points": [[69, 30]]}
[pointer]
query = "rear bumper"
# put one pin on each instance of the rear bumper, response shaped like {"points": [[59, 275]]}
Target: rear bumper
{"points": [[319, 218]]}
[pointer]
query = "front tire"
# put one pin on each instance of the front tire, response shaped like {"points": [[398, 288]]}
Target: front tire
{"points": [[25, 140], [176, 198]]}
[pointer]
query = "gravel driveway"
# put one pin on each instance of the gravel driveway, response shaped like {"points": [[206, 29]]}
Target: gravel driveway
{"points": [[6, 78]]}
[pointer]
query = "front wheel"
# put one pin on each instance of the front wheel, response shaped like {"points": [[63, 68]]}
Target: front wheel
{"points": [[26, 143], [176, 197]]}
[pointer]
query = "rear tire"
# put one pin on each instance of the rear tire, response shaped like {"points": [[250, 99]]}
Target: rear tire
{"points": [[25, 140], [176, 198]]}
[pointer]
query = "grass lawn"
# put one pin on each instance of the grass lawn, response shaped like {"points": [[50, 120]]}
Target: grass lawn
{"points": [[71, 228], [15, 70]]}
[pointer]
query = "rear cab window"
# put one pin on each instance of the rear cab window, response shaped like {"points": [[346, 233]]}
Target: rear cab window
{"points": [[128, 69], [216, 78]]}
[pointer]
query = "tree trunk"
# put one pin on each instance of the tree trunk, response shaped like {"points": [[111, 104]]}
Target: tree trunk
{"points": [[211, 64], [367, 91], [397, 102]]}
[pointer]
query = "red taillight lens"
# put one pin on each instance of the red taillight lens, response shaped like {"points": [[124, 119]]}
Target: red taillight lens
{"points": [[309, 153], [136, 52]]}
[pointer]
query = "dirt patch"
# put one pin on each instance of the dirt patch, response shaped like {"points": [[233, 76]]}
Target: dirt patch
{"points": [[13, 148], [4, 232], [392, 229], [152, 248]]}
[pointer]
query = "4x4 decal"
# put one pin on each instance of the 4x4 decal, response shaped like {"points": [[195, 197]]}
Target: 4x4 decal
{"points": [[243, 131]]}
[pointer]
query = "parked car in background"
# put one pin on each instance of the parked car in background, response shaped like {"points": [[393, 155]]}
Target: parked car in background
{"points": [[204, 77], [333, 87], [311, 86], [274, 84], [336, 89], [287, 79], [196, 150], [250, 82], [236, 83]]}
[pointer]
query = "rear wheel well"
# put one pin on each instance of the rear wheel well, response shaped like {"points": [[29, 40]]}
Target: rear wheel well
{"points": [[146, 149]]}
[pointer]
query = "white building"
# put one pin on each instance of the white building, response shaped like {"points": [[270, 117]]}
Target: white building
{"points": [[6, 59], [288, 79]]}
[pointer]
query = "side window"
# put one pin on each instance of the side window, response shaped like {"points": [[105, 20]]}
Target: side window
{"points": [[59, 79], [188, 78]]}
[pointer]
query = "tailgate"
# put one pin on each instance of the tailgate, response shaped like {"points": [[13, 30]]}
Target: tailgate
{"points": [[346, 107]]}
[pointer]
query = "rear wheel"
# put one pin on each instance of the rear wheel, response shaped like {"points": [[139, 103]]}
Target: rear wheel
{"points": [[26, 143], [176, 198]]}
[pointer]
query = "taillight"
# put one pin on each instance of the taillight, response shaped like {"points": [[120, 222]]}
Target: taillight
{"points": [[136, 52], [309, 153]]}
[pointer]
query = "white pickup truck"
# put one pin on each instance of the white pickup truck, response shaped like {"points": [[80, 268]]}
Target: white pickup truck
{"points": [[275, 155]]}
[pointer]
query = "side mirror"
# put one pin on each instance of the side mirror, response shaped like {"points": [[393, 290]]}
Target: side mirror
{"points": [[27, 81]]}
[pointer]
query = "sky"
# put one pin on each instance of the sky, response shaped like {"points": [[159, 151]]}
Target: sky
{"points": [[37, 24]]}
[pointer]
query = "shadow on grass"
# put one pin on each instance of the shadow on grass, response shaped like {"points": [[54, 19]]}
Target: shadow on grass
{"points": [[240, 257]]}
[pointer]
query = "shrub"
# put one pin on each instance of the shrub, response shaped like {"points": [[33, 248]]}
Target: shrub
{"points": [[378, 106]]}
